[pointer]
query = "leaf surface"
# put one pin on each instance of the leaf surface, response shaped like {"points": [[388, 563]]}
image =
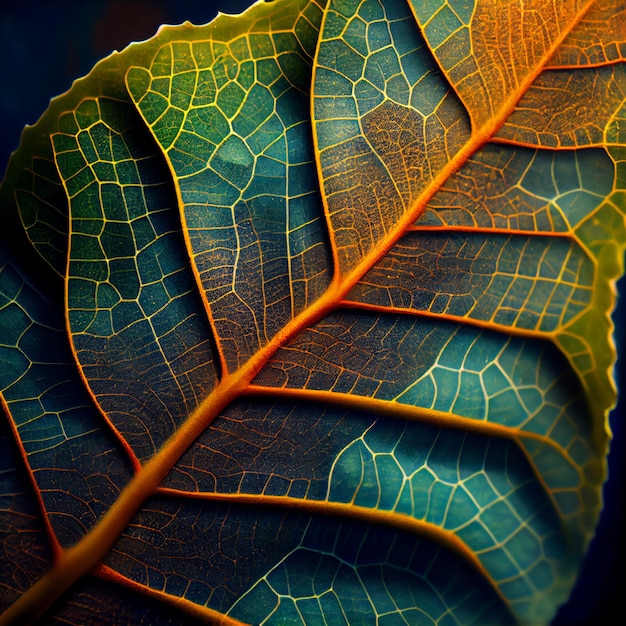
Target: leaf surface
{"points": [[305, 318]]}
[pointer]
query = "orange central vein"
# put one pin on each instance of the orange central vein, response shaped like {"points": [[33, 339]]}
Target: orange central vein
{"points": [[81, 558]]}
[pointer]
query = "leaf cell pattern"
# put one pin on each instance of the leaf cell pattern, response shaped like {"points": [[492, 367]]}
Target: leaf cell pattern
{"points": [[130, 293], [233, 119], [305, 318]]}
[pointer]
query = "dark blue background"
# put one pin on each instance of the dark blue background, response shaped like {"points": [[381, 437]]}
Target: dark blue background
{"points": [[46, 45]]}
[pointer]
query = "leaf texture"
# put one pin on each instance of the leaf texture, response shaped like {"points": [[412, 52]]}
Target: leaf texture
{"points": [[304, 318]]}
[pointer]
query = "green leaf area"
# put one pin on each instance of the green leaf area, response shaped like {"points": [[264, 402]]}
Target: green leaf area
{"points": [[305, 318]]}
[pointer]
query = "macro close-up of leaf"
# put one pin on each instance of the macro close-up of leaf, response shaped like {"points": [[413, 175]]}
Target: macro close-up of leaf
{"points": [[305, 318]]}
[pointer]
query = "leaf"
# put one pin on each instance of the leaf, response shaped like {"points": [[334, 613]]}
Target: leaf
{"points": [[305, 318]]}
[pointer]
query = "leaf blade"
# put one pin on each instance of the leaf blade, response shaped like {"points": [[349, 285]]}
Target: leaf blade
{"points": [[342, 344]]}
